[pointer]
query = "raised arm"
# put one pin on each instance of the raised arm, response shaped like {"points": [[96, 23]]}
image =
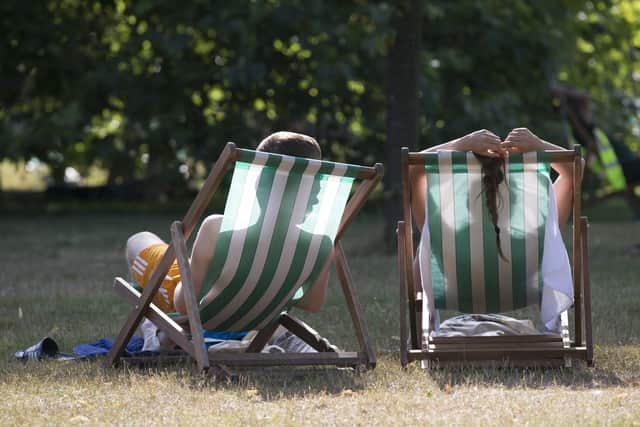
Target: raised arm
{"points": [[482, 142], [522, 140]]}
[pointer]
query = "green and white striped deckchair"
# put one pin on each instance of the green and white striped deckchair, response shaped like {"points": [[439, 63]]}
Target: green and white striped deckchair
{"points": [[459, 265], [467, 273], [280, 221], [283, 218]]}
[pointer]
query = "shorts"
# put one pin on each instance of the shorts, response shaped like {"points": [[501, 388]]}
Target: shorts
{"points": [[143, 266]]}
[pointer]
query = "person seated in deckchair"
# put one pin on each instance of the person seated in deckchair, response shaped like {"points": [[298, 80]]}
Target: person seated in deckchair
{"points": [[491, 152], [145, 249]]}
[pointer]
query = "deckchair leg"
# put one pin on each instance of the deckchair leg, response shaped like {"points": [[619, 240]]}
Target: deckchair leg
{"points": [[177, 238], [584, 225], [415, 325], [142, 305], [402, 266], [346, 281], [577, 254], [262, 338], [306, 334]]}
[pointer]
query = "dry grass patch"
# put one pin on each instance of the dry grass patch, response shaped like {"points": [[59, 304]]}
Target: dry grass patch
{"points": [[58, 270], [86, 393]]}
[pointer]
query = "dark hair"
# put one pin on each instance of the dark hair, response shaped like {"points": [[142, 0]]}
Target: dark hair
{"points": [[292, 144], [493, 174]]}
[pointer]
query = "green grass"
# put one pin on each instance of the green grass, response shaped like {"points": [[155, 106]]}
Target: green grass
{"points": [[57, 270]]}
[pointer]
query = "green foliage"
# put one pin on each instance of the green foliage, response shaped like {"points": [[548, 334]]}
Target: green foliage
{"points": [[144, 87], [149, 89], [489, 66], [606, 63]]}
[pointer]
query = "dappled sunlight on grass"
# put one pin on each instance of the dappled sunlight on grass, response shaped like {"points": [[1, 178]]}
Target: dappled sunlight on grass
{"points": [[85, 391]]}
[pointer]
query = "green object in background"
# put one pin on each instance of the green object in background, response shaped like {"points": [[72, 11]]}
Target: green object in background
{"points": [[611, 171], [606, 165]]}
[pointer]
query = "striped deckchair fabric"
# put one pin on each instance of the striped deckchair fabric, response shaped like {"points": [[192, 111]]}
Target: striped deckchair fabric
{"points": [[280, 221], [460, 267], [467, 273]]}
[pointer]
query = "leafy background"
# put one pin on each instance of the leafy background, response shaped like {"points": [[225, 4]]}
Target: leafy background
{"points": [[151, 90]]}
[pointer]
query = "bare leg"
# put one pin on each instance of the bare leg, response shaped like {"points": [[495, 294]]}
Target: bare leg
{"points": [[201, 254], [137, 242]]}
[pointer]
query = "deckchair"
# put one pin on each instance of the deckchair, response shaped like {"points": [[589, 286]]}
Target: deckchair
{"points": [[465, 270], [283, 218]]}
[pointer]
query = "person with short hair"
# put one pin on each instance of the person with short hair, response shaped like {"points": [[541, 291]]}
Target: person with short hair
{"points": [[144, 250]]}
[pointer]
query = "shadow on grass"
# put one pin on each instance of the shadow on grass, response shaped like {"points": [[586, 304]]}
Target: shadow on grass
{"points": [[272, 383], [614, 367], [281, 383]]}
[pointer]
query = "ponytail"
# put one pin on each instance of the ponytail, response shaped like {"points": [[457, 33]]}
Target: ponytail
{"points": [[493, 174]]}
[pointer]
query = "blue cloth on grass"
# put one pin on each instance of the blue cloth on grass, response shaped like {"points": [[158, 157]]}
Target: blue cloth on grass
{"points": [[47, 347], [102, 346]]}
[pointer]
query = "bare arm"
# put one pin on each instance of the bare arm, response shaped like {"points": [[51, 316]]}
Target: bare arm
{"points": [[522, 140], [482, 142], [201, 254], [314, 298]]}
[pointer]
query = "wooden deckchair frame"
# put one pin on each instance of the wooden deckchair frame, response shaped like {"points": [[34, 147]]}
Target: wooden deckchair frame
{"points": [[520, 350], [191, 340]]}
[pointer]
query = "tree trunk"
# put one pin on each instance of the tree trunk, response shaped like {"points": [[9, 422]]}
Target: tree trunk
{"points": [[402, 106]]}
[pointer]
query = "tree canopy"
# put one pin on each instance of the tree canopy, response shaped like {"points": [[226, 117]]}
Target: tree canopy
{"points": [[148, 89]]}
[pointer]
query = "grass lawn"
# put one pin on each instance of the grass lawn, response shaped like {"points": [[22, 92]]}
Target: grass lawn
{"points": [[56, 277]]}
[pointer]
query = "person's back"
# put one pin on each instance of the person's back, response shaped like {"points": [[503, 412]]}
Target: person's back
{"points": [[490, 154], [145, 249]]}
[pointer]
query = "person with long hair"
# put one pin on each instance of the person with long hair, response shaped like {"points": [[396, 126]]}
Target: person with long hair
{"points": [[491, 151]]}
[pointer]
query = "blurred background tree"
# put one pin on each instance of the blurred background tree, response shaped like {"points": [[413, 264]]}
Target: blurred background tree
{"points": [[606, 64], [151, 90]]}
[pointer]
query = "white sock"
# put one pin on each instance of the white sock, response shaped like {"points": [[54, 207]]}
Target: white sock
{"points": [[149, 331]]}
